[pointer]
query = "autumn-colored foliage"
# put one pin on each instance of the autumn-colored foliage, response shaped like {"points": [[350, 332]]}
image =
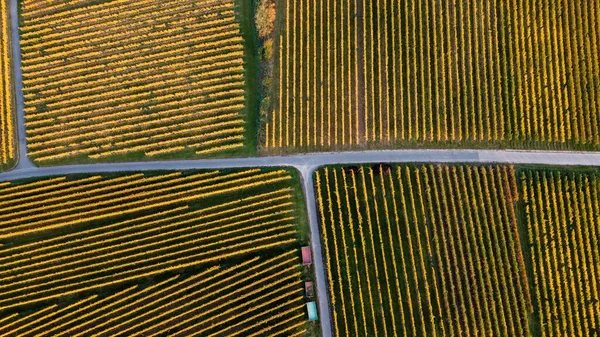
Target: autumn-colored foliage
{"points": [[563, 227], [7, 140], [112, 79], [389, 73], [192, 253], [266, 13]]}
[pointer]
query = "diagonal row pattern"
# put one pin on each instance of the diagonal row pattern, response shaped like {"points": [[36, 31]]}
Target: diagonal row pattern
{"points": [[259, 297], [66, 236]]}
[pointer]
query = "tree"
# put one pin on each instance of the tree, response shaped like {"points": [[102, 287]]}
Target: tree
{"points": [[265, 18]]}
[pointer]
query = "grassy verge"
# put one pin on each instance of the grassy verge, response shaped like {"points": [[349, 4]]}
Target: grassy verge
{"points": [[465, 145], [300, 211], [246, 9], [313, 329]]}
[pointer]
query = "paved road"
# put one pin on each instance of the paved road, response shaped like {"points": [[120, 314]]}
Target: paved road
{"points": [[305, 163], [315, 243], [24, 161]]}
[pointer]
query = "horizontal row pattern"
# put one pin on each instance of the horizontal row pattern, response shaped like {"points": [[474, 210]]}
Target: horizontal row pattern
{"points": [[120, 78]]}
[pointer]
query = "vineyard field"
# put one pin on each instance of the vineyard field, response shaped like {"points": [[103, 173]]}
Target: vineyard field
{"points": [[385, 74], [562, 215], [426, 250], [134, 80], [7, 117], [192, 253], [423, 251]]}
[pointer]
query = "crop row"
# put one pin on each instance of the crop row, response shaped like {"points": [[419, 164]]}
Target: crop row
{"points": [[96, 232], [7, 146], [125, 198]]}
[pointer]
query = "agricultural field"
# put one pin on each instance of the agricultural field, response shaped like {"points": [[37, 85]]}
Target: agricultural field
{"points": [[402, 247], [563, 226], [7, 128], [381, 74], [425, 250], [198, 253], [130, 80]]}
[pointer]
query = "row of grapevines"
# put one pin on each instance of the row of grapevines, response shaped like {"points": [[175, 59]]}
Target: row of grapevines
{"points": [[7, 142], [114, 230]]}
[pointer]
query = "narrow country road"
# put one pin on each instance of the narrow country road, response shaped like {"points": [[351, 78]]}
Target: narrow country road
{"points": [[305, 163], [23, 161]]}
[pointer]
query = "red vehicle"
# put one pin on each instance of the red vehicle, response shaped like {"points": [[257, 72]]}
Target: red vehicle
{"points": [[306, 256], [309, 290]]}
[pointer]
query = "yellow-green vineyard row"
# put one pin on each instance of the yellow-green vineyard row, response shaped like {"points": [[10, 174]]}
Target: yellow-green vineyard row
{"points": [[563, 226], [255, 298], [66, 236], [7, 141], [440, 250], [384, 73], [117, 78]]}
